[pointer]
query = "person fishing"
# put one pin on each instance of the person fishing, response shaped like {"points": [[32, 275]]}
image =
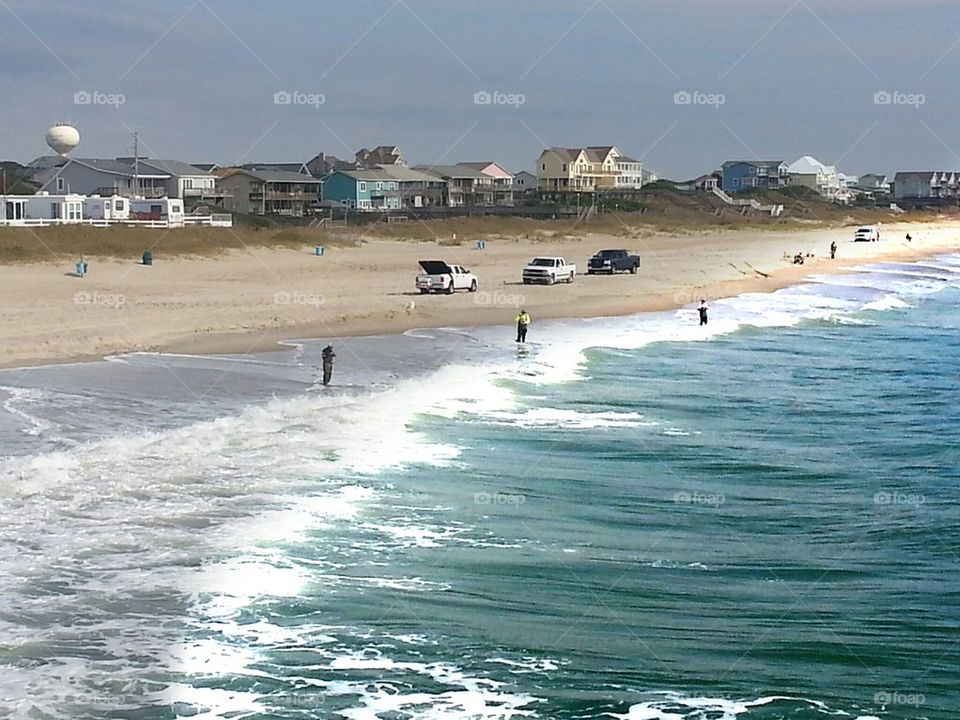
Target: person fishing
{"points": [[327, 355], [703, 312], [523, 322]]}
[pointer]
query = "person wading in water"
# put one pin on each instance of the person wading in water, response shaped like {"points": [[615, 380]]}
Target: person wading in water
{"points": [[523, 322], [328, 355], [703, 312]]}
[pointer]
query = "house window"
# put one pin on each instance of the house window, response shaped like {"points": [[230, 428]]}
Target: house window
{"points": [[60, 184], [564, 167], [543, 167], [362, 186], [379, 186]]}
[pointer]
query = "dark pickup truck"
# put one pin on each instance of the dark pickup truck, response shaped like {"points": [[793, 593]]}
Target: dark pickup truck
{"points": [[611, 261]]}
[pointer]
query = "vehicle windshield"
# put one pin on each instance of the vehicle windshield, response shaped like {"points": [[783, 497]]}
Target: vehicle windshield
{"points": [[865, 230], [610, 253], [543, 262]]}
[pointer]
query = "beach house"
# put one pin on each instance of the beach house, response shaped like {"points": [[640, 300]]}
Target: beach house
{"points": [[371, 189], [590, 169], [502, 180], [563, 170], [269, 192], [630, 173], [927, 185], [525, 183], [754, 174], [873, 183], [384, 187], [708, 183], [823, 179], [465, 186], [43, 208], [125, 176]]}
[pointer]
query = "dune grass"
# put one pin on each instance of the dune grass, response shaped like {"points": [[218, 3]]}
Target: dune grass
{"points": [[661, 212]]}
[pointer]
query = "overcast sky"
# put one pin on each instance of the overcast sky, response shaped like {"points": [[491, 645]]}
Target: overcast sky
{"points": [[682, 85]]}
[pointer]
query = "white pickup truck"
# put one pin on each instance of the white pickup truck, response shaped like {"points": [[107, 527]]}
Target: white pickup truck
{"points": [[548, 270], [438, 276]]}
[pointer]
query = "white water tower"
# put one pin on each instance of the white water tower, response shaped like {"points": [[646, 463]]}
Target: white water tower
{"points": [[62, 138]]}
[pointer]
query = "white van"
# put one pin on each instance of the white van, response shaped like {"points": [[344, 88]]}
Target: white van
{"points": [[868, 233]]}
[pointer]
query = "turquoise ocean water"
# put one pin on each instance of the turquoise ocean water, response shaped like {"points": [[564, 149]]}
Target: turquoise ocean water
{"points": [[633, 518]]}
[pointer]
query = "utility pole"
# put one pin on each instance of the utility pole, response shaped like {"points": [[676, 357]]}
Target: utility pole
{"points": [[136, 163]]}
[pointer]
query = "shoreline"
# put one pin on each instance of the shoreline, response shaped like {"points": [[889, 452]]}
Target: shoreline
{"points": [[677, 271]]}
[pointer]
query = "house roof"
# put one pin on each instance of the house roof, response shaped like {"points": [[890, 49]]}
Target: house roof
{"points": [[598, 153], [569, 154], [286, 167], [625, 159], [805, 165], [925, 175], [119, 167], [755, 163], [269, 176], [452, 171], [489, 168], [172, 167], [365, 174], [380, 155], [405, 174]]}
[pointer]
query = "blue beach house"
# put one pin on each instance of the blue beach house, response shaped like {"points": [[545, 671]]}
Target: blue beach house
{"points": [[754, 174], [362, 190]]}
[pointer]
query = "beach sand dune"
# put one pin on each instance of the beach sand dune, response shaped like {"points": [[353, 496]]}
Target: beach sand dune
{"points": [[246, 301]]}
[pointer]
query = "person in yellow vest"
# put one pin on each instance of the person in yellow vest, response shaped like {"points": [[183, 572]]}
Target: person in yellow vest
{"points": [[523, 322]]}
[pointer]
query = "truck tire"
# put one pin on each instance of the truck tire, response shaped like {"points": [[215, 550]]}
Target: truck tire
{"points": [[423, 291], [570, 279], [551, 280], [473, 286], [633, 269], [450, 289]]}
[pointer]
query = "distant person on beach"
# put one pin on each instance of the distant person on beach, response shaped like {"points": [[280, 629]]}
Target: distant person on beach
{"points": [[909, 238], [328, 355], [523, 322], [798, 259], [833, 250], [703, 312]]}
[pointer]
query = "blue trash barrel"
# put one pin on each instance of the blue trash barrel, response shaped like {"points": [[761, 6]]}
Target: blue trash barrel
{"points": [[147, 257], [81, 268], [319, 249]]}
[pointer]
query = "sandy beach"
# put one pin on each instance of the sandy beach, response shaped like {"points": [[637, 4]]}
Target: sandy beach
{"points": [[250, 300]]}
